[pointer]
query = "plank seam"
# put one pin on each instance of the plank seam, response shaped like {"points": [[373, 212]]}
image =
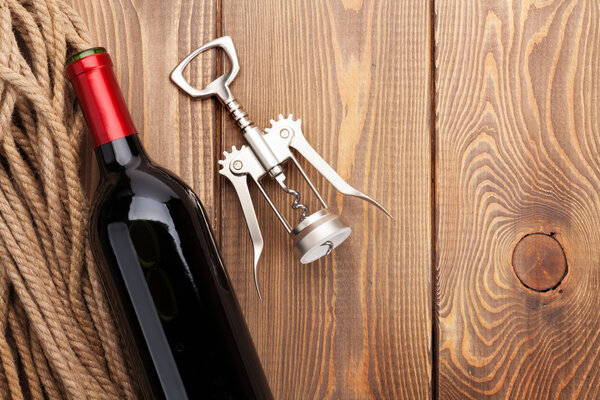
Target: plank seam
{"points": [[433, 209], [218, 65]]}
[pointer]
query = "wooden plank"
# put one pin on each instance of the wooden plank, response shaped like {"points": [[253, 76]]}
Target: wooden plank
{"points": [[518, 85], [357, 324], [146, 41]]}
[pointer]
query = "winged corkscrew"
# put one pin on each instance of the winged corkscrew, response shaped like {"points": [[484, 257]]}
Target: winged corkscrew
{"points": [[315, 235]]}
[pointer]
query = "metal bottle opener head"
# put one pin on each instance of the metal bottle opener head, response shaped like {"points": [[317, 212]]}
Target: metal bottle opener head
{"points": [[315, 235]]}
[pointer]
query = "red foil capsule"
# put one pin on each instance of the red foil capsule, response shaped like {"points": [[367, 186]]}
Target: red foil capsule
{"points": [[91, 73]]}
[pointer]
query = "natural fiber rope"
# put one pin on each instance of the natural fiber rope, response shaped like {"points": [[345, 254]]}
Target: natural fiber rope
{"points": [[57, 337]]}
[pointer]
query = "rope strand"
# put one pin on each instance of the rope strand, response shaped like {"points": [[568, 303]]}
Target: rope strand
{"points": [[57, 335]]}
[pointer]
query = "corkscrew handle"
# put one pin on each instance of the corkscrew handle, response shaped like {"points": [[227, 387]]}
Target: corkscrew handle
{"points": [[220, 86]]}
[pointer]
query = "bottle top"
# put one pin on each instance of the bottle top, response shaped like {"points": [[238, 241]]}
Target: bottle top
{"points": [[91, 73]]}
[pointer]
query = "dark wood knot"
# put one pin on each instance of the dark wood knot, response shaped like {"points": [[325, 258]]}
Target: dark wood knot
{"points": [[539, 262]]}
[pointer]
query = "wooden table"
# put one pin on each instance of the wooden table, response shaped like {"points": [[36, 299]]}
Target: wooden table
{"points": [[475, 123]]}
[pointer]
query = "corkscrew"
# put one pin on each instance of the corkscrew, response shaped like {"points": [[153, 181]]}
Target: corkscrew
{"points": [[315, 235]]}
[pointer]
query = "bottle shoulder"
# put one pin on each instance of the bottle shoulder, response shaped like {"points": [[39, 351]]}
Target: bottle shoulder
{"points": [[127, 171], [146, 183]]}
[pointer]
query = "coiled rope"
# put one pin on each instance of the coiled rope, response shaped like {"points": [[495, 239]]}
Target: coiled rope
{"points": [[57, 336]]}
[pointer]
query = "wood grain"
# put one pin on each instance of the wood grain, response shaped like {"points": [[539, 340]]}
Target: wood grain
{"points": [[357, 324], [515, 153], [517, 89]]}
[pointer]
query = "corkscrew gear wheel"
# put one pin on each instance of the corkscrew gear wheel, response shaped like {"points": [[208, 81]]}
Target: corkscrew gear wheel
{"points": [[283, 123], [224, 163]]}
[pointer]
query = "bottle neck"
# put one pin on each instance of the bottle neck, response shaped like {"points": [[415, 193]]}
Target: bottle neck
{"points": [[119, 154], [99, 96]]}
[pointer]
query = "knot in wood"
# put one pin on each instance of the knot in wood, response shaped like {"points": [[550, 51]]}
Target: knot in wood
{"points": [[539, 262]]}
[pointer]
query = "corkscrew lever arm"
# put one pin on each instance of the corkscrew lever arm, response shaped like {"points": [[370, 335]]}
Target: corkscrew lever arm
{"points": [[240, 184], [286, 134]]}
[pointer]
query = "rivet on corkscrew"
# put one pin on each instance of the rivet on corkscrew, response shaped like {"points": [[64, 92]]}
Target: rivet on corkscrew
{"points": [[315, 235]]}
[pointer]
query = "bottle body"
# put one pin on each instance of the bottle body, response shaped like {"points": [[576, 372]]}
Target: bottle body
{"points": [[151, 235]]}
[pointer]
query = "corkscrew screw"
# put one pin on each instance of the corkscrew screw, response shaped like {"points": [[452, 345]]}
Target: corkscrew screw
{"points": [[315, 235]]}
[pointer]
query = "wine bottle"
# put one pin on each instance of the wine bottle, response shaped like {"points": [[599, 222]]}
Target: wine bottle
{"points": [[168, 289]]}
